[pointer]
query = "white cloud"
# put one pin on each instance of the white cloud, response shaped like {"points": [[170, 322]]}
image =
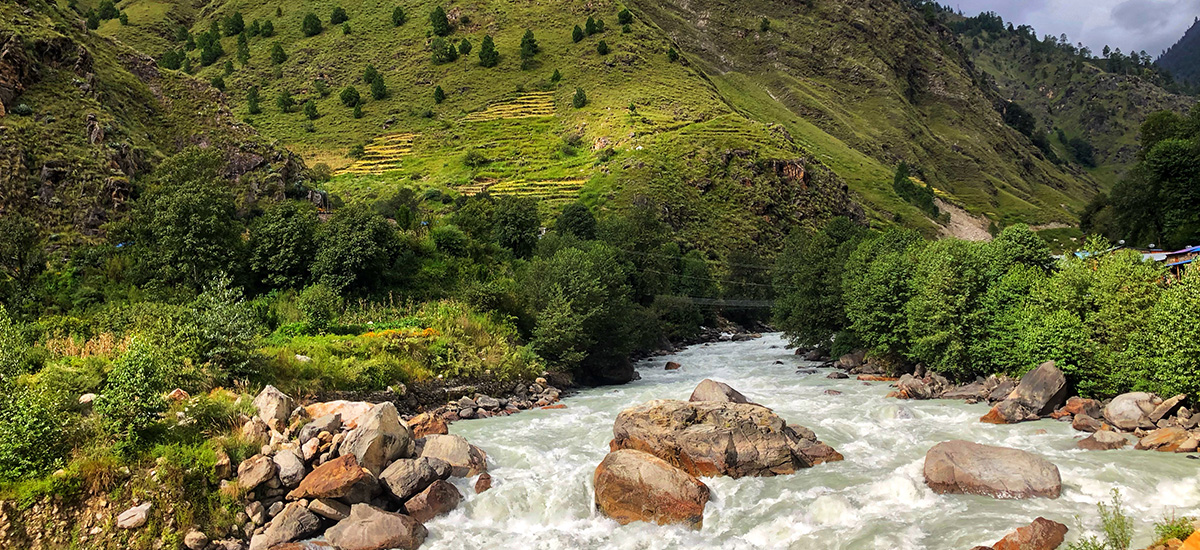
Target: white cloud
{"points": [[1131, 25]]}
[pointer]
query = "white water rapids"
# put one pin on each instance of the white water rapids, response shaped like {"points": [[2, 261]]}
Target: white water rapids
{"points": [[542, 463]]}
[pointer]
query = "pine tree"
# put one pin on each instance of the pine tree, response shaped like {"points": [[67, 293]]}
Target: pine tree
{"points": [[577, 34], [339, 16], [625, 17], [399, 17], [345, 29], [488, 56], [93, 20], [186, 66], [529, 45], [321, 88], [108, 10], [268, 29], [370, 74], [254, 29], [218, 83], [124, 19], [626, 29], [439, 95], [590, 26], [602, 48], [277, 55], [464, 47], [437, 18], [672, 55], [580, 99], [358, 111], [599, 25], [243, 50], [378, 89], [350, 97], [234, 24], [764, 25], [556, 77], [443, 51], [278, 11], [284, 101], [252, 101], [311, 25], [228, 68], [310, 110], [182, 34], [190, 44]]}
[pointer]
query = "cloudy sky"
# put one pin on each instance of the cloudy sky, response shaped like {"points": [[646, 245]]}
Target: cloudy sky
{"points": [[1151, 25]]}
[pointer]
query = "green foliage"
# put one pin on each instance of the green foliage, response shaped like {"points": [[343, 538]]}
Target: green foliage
{"points": [[556, 77], [311, 26], [350, 96], [185, 228], [1165, 345], [22, 258], [876, 289], [577, 34], [321, 88], [1173, 528], [234, 24], [93, 20], [809, 307], [13, 349], [444, 51], [399, 17], [252, 100], [108, 10], [320, 305], [283, 243], [358, 113], [488, 56], [284, 102], [356, 249], [218, 329], [602, 48], [764, 25], [439, 95], [438, 22], [529, 45], [464, 47], [450, 240], [133, 397], [577, 220], [268, 29], [580, 99], [590, 27], [277, 54], [243, 50], [218, 83], [624, 17], [338, 16], [516, 224], [345, 28], [32, 431], [920, 195], [378, 89]]}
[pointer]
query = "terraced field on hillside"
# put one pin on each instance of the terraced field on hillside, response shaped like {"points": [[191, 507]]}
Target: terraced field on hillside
{"points": [[529, 105], [382, 154]]}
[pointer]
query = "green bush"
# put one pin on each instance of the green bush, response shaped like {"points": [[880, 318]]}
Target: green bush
{"points": [[1173, 528], [580, 99], [399, 17], [252, 100], [320, 305], [464, 47], [602, 48], [624, 17], [443, 51], [516, 224], [284, 102], [133, 397], [577, 220], [577, 34], [268, 29], [350, 96], [277, 54], [356, 249], [283, 243], [450, 240], [439, 22], [379, 90], [338, 16], [32, 433], [439, 95], [311, 25]]}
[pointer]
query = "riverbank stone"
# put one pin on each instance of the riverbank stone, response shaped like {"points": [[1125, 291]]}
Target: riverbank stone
{"points": [[1103, 440], [293, 523], [970, 468], [273, 407], [334, 479], [1042, 534], [380, 438], [1130, 411], [369, 528], [440, 497], [632, 485], [465, 459], [711, 438], [720, 392]]}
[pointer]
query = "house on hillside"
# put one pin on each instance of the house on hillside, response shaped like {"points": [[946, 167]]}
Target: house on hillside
{"points": [[1175, 261]]}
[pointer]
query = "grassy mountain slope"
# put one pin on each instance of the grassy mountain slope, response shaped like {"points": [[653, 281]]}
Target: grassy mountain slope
{"points": [[86, 115], [1079, 97]]}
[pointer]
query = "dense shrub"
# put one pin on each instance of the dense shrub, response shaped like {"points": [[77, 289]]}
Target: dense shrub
{"points": [[31, 432], [577, 34], [580, 99], [516, 224], [350, 96], [338, 16], [277, 54], [311, 26], [133, 397], [625, 17], [443, 50], [399, 17], [320, 305], [356, 249], [439, 22], [577, 220], [283, 243], [439, 95]]}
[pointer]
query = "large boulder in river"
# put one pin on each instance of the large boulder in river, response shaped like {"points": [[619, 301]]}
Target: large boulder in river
{"points": [[974, 469], [636, 486], [1009, 411], [380, 438], [1130, 411], [1103, 440], [711, 390], [369, 528], [705, 438], [1042, 534], [439, 498], [1042, 390], [465, 459], [274, 408], [408, 476]]}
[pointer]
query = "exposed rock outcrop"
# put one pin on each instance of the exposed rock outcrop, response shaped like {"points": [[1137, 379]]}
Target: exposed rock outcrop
{"points": [[633, 486]]}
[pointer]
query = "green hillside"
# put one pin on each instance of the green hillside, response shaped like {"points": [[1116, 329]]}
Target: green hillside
{"points": [[851, 86]]}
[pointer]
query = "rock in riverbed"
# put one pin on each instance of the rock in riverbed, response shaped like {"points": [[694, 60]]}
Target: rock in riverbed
{"points": [[369, 528], [637, 486], [1130, 411], [1103, 440], [1042, 534], [974, 469], [709, 438], [720, 392], [1041, 391]]}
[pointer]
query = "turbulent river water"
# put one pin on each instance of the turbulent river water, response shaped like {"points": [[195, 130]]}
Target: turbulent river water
{"points": [[542, 463]]}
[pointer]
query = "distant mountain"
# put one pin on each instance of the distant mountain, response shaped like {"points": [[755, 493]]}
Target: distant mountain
{"points": [[1183, 59]]}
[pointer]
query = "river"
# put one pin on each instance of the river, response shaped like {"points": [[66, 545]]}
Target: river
{"points": [[542, 463]]}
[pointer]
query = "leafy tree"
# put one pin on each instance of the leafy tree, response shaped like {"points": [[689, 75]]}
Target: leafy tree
{"points": [[672, 55], [378, 89], [277, 54], [133, 398], [310, 110], [577, 220], [1165, 350], [268, 29], [439, 95], [311, 26], [182, 34], [399, 17], [345, 28], [124, 19], [283, 244], [22, 256], [228, 68], [32, 433], [439, 22], [516, 224], [338, 16], [278, 11], [464, 47], [577, 34], [624, 17], [488, 56], [321, 88], [356, 250], [93, 20], [602, 48], [809, 307], [450, 240], [350, 97], [876, 289], [252, 100], [580, 99], [920, 195], [185, 228], [234, 24], [284, 101], [599, 25], [370, 74], [254, 29], [108, 10], [443, 51], [590, 27], [626, 29]]}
